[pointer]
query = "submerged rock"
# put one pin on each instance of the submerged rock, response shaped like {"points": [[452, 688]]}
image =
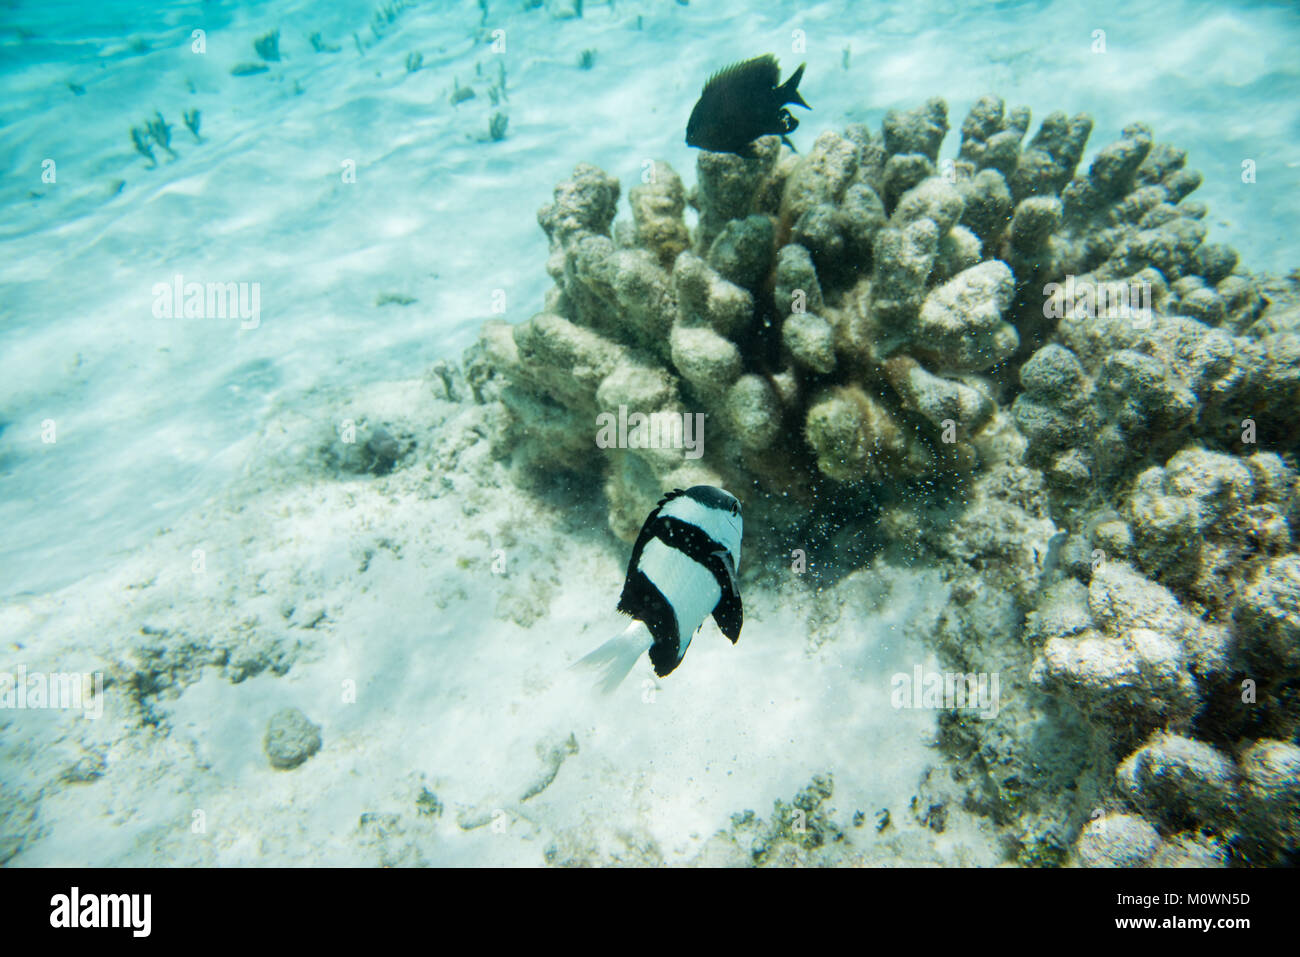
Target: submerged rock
{"points": [[364, 449], [1191, 849], [1270, 772], [1117, 840], [1176, 779], [290, 739]]}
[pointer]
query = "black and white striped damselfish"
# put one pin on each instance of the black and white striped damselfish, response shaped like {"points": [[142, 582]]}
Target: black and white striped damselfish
{"points": [[683, 568]]}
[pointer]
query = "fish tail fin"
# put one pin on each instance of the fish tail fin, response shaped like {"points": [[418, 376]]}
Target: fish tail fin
{"points": [[790, 91], [615, 658]]}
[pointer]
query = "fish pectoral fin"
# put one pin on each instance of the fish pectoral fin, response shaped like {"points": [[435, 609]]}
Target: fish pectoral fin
{"points": [[729, 616], [729, 567], [728, 612]]}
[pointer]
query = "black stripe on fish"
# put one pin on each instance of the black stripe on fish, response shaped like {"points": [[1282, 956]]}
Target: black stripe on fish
{"points": [[693, 542], [644, 602], [664, 656]]}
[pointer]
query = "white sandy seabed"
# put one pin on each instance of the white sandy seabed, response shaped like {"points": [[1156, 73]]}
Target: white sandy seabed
{"points": [[180, 435], [386, 585]]}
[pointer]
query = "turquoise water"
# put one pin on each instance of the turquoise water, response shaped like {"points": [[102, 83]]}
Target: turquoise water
{"points": [[382, 224], [449, 219]]}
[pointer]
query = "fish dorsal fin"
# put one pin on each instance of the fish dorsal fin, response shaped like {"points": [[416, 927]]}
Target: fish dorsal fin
{"points": [[668, 498], [763, 72]]}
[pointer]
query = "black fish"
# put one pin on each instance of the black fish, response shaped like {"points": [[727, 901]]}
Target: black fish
{"points": [[742, 103], [683, 569]]}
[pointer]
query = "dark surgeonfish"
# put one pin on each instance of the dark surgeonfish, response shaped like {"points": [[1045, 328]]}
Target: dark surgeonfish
{"points": [[683, 568], [742, 103]]}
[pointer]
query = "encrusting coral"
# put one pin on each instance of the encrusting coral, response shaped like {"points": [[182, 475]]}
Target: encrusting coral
{"points": [[978, 350]]}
